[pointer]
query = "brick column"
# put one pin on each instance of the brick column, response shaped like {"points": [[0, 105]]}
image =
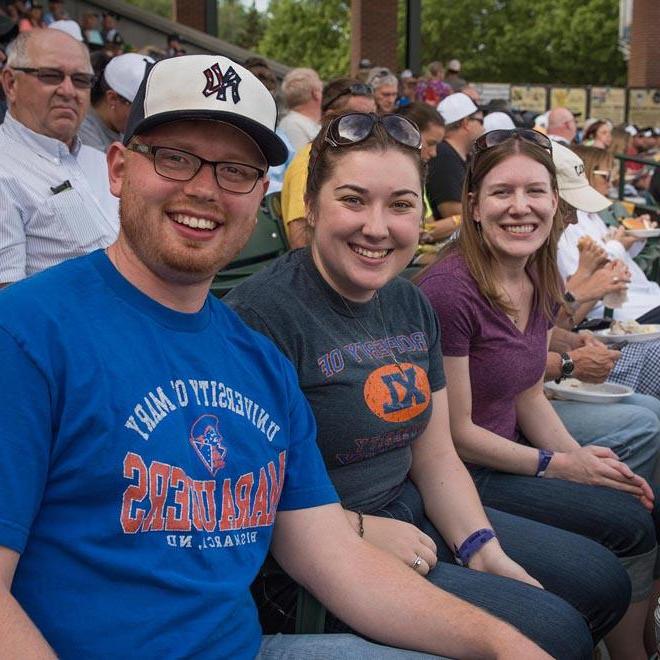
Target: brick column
{"points": [[374, 33], [644, 62], [191, 13]]}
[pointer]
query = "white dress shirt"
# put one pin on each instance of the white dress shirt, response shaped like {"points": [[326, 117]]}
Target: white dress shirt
{"points": [[55, 203], [643, 295]]}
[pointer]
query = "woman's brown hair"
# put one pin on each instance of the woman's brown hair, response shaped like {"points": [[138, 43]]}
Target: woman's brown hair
{"points": [[590, 133], [479, 258]]}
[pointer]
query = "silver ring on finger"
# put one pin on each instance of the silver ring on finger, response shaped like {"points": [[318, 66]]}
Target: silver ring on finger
{"points": [[417, 563]]}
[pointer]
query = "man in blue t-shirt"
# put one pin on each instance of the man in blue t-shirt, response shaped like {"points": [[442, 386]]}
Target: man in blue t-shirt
{"points": [[149, 437]]}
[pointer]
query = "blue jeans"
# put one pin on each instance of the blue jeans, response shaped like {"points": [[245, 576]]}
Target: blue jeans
{"points": [[583, 581], [630, 429], [330, 647], [610, 517]]}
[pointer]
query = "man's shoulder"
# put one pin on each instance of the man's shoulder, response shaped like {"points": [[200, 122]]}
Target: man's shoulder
{"points": [[15, 153], [447, 161], [49, 293], [445, 150]]}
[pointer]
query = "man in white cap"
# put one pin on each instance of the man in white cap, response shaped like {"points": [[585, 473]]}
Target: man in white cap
{"points": [[54, 197], [111, 97], [149, 437], [463, 125], [643, 301]]}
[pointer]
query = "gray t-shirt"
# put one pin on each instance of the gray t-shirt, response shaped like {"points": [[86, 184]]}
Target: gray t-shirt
{"points": [[95, 133], [368, 409]]}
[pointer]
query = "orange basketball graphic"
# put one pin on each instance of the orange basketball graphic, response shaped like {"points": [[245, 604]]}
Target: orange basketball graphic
{"points": [[397, 395]]}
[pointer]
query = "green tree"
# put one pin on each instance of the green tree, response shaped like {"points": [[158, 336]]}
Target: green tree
{"points": [[552, 41], [231, 20], [309, 33], [253, 29]]}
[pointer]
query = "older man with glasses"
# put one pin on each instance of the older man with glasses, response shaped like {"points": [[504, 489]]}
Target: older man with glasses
{"points": [[55, 202]]}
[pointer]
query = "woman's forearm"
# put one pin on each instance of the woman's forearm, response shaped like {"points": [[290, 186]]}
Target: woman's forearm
{"points": [[451, 501], [540, 424]]}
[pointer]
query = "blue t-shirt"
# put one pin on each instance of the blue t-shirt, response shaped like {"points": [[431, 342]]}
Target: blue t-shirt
{"points": [[144, 453]]}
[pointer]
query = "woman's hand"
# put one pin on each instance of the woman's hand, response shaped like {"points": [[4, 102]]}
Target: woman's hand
{"points": [[599, 466], [492, 559], [402, 540]]}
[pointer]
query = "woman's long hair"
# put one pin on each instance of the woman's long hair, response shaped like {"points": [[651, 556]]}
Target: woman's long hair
{"points": [[478, 256]]}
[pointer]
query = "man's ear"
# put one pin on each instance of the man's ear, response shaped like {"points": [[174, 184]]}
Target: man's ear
{"points": [[9, 84], [116, 158]]}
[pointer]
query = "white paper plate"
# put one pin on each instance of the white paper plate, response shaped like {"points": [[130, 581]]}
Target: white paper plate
{"points": [[644, 233], [572, 389], [631, 339]]}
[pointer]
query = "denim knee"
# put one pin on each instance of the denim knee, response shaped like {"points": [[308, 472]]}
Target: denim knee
{"points": [[565, 634], [545, 618], [635, 529]]}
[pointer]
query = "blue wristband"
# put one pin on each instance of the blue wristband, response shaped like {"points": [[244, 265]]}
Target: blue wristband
{"points": [[472, 545], [545, 456]]}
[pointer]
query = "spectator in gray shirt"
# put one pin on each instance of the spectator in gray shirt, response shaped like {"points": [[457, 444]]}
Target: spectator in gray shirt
{"points": [[112, 96]]}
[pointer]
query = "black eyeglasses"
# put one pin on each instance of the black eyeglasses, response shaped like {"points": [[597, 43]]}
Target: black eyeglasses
{"points": [[54, 77], [357, 89], [179, 165], [357, 126], [493, 138]]}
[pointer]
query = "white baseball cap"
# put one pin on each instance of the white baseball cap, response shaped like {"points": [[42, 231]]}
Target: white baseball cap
{"points": [[497, 120], [208, 87], [124, 73], [454, 65], [69, 27], [456, 107], [573, 184]]}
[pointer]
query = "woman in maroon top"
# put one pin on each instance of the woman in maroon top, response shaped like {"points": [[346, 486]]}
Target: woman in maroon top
{"points": [[494, 293]]}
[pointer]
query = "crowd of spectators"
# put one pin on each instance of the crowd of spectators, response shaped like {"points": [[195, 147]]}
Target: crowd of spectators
{"points": [[70, 90]]}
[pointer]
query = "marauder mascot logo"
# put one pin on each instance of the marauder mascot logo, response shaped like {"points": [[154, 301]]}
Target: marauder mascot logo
{"points": [[206, 439]]}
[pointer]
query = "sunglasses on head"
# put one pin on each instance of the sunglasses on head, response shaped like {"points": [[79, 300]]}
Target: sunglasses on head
{"points": [[493, 138], [53, 77], [357, 89], [358, 126]]}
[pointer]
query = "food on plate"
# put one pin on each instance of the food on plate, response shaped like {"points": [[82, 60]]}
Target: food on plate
{"points": [[641, 222], [630, 328]]}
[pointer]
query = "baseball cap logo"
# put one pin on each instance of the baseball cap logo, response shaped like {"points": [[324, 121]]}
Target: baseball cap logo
{"points": [[218, 83], [579, 169]]}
